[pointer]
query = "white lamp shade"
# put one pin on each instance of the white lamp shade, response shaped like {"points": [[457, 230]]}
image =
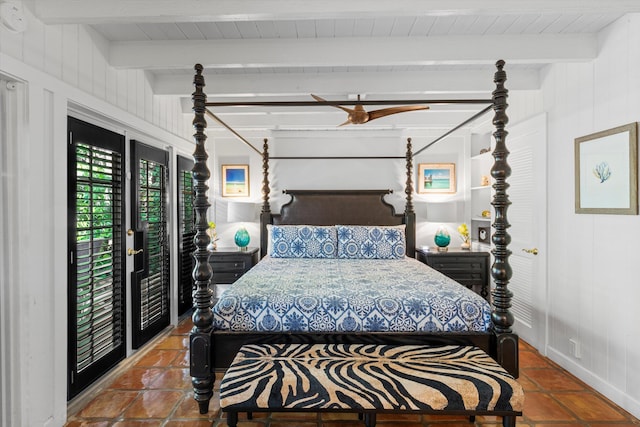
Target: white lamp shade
{"points": [[241, 212], [442, 212]]}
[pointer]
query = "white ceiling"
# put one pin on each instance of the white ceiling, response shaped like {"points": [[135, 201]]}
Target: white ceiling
{"points": [[384, 50]]}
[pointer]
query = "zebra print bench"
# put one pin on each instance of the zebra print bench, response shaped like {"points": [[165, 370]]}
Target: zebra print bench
{"points": [[368, 379]]}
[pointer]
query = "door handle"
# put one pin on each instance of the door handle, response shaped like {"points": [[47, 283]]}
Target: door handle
{"points": [[533, 251], [131, 251]]}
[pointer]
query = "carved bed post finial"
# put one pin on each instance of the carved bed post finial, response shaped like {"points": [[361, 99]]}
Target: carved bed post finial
{"points": [[265, 215], [265, 177], [501, 270], [409, 213], [200, 338], [409, 183]]}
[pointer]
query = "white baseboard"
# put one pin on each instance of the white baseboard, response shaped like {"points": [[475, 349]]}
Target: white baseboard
{"points": [[619, 397]]}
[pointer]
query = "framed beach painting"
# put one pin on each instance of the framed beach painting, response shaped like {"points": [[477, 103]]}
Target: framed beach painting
{"points": [[606, 172], [436, 178], [235, 180]]}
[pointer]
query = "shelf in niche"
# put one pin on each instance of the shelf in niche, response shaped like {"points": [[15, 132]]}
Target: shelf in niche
{"points": [[481, 156], [481, 218], [481, 187]]}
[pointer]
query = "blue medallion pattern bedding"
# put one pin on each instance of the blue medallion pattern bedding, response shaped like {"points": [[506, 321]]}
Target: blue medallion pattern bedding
{"points": [[349, 295]]}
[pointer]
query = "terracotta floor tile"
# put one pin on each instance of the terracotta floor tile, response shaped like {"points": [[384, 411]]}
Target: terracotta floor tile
{"points": [[154, 404], [188, 408], [157, 391], [183, 327], [173, 342], [294, 416], [181, 360], [85, 423], [108, 404], [188, 423], [532, 359], [399, 417], [138, 423], [173, 378], [136, 378], [554, 379], [158, 358], [559, 425], [541, 407], [338, 416], [589, 407], [526, 383]]}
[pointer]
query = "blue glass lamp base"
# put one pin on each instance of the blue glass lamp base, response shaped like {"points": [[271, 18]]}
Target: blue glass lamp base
{"points": [[242, 238]]}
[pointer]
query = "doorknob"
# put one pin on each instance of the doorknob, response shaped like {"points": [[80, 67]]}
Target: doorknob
{"points": [[533, 251], [131, 251]]}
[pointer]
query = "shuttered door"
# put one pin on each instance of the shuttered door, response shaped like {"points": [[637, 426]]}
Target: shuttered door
{"points": [[151, 263], [96, 261], [186, 222]]}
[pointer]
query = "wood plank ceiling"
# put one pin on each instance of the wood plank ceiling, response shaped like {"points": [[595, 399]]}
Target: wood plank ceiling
{"points": [[286, 49]]}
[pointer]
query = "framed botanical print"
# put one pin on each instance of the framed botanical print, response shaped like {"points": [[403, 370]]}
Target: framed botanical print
{"points": [[235, 180], [606, 172]]}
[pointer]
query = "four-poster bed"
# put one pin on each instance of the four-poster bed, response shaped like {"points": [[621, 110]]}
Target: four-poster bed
{"points": [[213, 345]]}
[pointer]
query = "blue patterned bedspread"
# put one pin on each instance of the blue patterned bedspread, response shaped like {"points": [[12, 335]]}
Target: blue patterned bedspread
{"points": [[322, 295]]}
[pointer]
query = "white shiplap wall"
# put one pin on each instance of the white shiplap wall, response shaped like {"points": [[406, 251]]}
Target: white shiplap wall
{"points": [[58, 68], [77, 55], [594, 295]]}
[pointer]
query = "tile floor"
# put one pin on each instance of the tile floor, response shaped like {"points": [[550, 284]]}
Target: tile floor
{"points": [[155, 390]]}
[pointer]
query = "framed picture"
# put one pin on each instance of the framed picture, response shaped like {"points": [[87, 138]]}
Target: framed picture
{"points": [[484, 234], [606, 172], [436, 178], [235, 180]]}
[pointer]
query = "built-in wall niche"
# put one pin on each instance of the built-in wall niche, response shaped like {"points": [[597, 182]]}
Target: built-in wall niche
{"points": [[481, 189]]}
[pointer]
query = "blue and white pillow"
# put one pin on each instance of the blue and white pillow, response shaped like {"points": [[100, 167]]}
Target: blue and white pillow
{"points": [[372, 242], [303, 241]]}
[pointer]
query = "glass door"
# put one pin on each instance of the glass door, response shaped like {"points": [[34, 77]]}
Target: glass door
{"points": [[150, 279], [96, 285]]}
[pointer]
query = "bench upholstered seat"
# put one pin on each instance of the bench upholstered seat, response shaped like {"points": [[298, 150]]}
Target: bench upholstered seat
{"points": [[368, 379]]}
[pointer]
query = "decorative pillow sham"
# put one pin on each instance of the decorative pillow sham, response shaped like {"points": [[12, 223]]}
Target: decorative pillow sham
{"points": [[372, 242], [303, 241]]}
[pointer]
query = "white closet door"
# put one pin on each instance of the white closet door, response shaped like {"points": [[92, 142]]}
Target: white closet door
{"points": [[528, 215]]}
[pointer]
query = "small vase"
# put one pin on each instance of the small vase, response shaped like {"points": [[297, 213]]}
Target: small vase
{"points": [[466, 245], [442, 239]]}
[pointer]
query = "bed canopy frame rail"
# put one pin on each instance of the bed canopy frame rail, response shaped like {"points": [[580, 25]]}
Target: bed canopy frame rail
{"points": [[505, 342]]}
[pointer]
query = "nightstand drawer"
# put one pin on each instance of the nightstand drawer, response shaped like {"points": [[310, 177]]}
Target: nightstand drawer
{"points": [[227, 277], [225, 266], [229, 264], [468, 267]]}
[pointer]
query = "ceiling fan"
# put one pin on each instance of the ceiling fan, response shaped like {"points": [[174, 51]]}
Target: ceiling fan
{"points": [[358, 116]]}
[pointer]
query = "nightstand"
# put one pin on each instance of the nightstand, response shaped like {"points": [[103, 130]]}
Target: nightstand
{"points": [[229, 264], [468, 267]]}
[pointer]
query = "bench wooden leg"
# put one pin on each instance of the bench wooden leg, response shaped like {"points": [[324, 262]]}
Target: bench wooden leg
{"points": [[472, 419], [249, 415], [509, 421], [232, 419], [370, 419]]}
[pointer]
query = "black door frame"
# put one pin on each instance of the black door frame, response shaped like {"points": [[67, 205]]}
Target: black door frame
{"points": [[139, 151], [101, 138]]}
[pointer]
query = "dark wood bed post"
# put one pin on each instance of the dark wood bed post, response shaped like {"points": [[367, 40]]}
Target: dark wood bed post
{"points": [[200, 337], [409, 212], [265, 214], [502, 318]]}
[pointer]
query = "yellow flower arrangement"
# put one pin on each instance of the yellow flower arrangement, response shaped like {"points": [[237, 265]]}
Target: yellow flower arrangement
{"points": [[463, 230], [213, 236]]}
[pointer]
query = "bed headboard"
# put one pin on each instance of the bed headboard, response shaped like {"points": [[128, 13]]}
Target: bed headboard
{"points": [[331, 207]]}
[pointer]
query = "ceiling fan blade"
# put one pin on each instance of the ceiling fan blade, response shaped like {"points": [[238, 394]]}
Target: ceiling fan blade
{"points": [[376, 114], [348, 122], [345, 109]]}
